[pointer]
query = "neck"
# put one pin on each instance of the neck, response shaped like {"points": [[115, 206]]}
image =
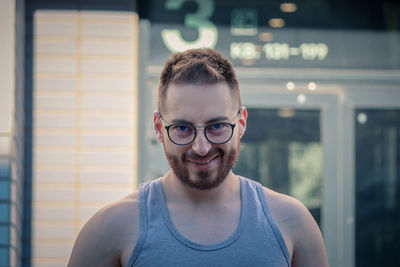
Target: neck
{"points": [[178, 192]]}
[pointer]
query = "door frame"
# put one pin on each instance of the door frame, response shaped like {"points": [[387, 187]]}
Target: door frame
{"points": [[358, 97]]}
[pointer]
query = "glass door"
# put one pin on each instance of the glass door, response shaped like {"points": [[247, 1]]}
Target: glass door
{"points": [[282, 150], [377, 187], [372, 175]]}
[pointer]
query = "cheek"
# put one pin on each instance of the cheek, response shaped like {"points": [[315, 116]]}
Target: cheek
{"points": [[235, 141], [173, 149]]}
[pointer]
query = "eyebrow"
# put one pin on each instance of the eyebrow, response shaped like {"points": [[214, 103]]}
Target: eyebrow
{"points": [[216, 119], [183, 121]]}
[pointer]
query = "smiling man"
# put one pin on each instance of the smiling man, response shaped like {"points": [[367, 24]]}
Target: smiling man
{"points": [[200, 213]]}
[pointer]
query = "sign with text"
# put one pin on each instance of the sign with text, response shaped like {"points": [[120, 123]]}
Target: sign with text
{"points": [[248, 36]]}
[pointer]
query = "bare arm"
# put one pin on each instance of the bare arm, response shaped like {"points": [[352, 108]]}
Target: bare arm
{"points": [[109, 237], [299, 229], [308, 245]]}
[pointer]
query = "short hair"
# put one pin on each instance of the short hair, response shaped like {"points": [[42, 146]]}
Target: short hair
{"points": [[200, 66]]}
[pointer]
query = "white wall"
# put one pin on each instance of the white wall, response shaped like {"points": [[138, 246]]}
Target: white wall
{"points": [[84, 121]]}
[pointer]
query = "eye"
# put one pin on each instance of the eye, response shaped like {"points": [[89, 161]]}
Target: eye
{"points": [[181, 128], [217, 127]]}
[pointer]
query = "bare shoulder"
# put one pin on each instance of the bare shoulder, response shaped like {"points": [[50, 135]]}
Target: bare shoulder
{"points": [[109, 236], [285, 209], [300, 231], [287, 213]]}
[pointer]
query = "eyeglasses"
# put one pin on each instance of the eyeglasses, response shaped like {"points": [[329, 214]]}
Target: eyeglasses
{"points": [[216, 133]]}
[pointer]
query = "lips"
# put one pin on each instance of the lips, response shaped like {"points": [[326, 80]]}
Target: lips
{"points": [[202, 162]]}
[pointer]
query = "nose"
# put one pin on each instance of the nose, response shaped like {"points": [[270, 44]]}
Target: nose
{"points": [[200, 144]]}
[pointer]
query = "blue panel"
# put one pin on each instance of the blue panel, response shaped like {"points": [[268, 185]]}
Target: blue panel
{"points": [[4, 234], [4, 190], [4, 256], [4, 212]]}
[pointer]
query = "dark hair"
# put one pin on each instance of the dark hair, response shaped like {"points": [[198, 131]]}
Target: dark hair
{"points": [[197, 66]]}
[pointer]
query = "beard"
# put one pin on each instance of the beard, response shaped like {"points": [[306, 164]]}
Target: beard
{"points": [[203, 180]]}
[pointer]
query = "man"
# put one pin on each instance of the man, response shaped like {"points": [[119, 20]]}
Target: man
{"points": [[200, 213]]}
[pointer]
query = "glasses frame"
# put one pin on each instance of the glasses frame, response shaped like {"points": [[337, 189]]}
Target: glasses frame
{"points": [[195, 130]]}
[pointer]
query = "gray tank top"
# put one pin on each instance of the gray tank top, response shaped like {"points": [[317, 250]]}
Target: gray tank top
{"points": [[257, 240]]}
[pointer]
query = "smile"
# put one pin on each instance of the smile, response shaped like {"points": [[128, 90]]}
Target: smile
{"points": [[203, 162]]}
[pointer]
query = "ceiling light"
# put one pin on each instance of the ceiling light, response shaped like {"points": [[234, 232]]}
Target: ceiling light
{"points": [[290, 86], [266, 36], [288, 7], [276, 23], [312, 86]]}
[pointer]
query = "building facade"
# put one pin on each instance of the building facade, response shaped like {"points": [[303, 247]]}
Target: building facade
{"points": [[320, 79]]}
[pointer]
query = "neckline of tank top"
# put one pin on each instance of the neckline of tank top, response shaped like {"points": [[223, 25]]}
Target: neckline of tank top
{"points": [[187, 242]]}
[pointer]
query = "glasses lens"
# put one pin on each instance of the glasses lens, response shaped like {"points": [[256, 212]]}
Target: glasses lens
{"points": [[219, 132], [181, 134]]}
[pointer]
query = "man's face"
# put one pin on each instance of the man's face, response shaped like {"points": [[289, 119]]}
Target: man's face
{"points": [[201, 164]]}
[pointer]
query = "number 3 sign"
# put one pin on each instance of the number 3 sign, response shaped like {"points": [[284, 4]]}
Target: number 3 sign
{"points": [[199, 20]]}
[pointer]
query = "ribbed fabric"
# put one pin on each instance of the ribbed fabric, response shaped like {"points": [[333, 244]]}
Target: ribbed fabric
{"points": [[257, 240]]}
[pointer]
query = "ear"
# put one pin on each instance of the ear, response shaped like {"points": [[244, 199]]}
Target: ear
{"points": [[242, 121], [158, 126]]}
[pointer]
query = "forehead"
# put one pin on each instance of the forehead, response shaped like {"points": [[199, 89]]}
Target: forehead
{"points": [[199, 102]]}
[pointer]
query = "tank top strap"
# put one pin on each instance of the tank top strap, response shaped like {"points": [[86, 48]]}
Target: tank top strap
{"points": [[265, 207], [144, 192]]}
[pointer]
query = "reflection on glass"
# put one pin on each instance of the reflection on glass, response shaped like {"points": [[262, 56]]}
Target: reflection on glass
{"points": [[301, 98], [284, 153], [377, 187]]}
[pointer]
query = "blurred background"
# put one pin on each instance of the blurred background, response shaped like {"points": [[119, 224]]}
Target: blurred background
{"points": [[320, 79]]}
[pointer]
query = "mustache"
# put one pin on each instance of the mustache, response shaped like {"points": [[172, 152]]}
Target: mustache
{"points": [[191, 155]]}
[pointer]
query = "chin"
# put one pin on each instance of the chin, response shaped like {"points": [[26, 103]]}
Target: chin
{"points": [[203, 180]]}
